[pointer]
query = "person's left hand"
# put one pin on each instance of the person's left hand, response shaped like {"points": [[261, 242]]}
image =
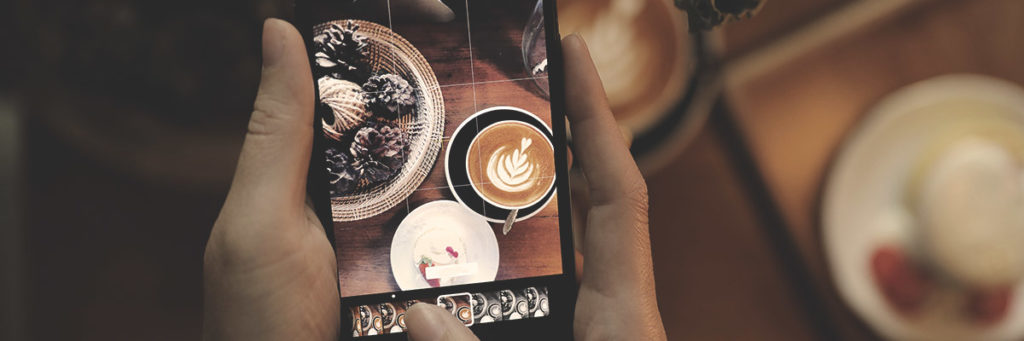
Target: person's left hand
{"points": [[269, 270]]}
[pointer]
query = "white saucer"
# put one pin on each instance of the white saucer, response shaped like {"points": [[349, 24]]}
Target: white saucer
{"points": [[863, 203], [481, 246]]}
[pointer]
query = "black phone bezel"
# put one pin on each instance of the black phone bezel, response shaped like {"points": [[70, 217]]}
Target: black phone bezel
{"points": [[562, 288]]}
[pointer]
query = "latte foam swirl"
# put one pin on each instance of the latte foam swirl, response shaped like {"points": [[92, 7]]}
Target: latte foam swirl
{"points": [[511, 170]]}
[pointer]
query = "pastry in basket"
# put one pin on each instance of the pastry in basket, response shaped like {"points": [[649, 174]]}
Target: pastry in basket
{"points": [[382, 113], [340, 51], [346, 104], [389, 95], [376, 154]]}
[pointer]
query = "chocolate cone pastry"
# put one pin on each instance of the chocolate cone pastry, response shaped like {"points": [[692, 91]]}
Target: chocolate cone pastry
{"points": [[338, 51]]}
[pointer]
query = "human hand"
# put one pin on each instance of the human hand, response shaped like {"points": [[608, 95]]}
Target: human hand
{"points": [[616, 298], [269, 272]]}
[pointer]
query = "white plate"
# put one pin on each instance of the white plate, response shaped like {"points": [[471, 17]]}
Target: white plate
{"points": [[481, 246], [863, 199]]}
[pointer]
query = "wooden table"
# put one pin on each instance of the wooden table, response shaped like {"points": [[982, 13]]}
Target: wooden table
{"points": [[491, 73]]}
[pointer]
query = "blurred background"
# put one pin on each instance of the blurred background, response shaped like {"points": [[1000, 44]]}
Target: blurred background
{"points": [[120, 124]]}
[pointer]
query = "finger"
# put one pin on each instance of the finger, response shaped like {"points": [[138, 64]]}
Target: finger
{"points": [[616, 253], [431, 10], [598, 142], [271, 173], [428, 322], [580, 195]]}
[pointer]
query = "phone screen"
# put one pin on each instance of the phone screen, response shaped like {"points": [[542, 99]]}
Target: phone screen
{"points": [[441, 154]]}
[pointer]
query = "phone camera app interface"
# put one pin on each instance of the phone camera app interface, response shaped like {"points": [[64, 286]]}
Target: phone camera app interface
{"points": [[439, 153]]}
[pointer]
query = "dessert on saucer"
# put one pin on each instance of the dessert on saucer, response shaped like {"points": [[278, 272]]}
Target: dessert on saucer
{"points": [[923, 212], [441, 243]]}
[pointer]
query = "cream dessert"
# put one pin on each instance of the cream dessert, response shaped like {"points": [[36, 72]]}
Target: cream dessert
{"points": [[971, 209], [440, 248]]}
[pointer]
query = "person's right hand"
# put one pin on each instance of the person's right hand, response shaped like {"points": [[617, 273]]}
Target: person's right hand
{"points": [[616, 297]]}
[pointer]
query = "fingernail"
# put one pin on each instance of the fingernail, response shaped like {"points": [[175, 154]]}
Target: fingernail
{"points": [[272, 42], [426, 322]]}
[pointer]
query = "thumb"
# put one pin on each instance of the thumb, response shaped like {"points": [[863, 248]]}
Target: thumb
{"points": [[428, 322], [272, 167]]}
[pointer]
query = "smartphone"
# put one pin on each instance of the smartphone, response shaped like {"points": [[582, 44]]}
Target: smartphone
{"points": [[439, 165]]}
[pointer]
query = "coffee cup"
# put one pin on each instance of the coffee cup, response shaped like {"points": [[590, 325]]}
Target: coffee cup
{"points": [[511, 164]]}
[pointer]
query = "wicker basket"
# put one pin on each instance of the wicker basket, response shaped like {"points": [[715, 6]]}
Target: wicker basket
{"points": [[389, 52]]}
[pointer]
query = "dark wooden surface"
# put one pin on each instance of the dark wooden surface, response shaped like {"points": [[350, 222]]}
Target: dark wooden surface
{"points": [[717, 276], [444, 45], [490, 74]]}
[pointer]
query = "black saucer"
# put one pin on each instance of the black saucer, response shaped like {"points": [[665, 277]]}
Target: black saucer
{"points": [[458, 149]]}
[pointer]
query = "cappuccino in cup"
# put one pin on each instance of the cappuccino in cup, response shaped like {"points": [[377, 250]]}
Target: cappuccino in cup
{"points": [[511, 164]]}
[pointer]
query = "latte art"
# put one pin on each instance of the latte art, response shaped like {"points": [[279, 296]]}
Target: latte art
{"points": [[512, 172], [511, 164]]}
